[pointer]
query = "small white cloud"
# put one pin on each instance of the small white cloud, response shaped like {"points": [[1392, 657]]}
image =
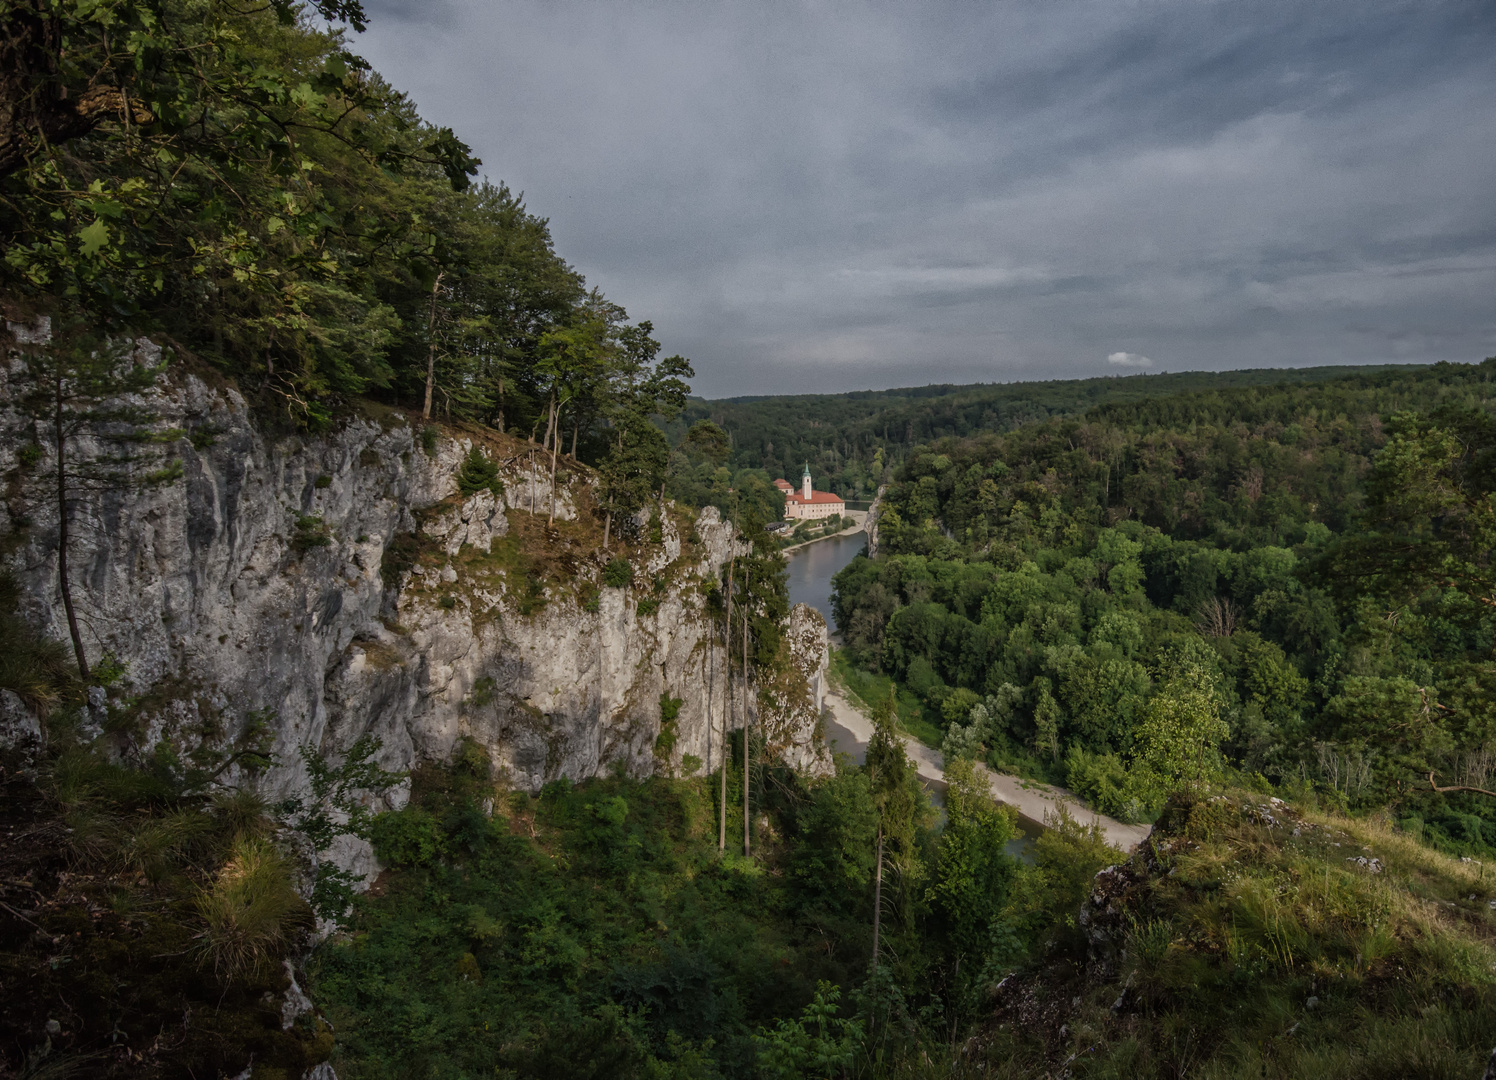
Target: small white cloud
{"points": [[1128, 359]]}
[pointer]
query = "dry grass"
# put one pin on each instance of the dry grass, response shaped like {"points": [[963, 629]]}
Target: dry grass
{"points": [[251, 912]]}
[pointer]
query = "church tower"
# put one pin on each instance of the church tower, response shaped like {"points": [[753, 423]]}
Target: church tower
{"points": [[805, 482]]}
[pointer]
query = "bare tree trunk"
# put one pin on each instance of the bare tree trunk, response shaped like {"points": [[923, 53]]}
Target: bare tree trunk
{"points": [[727, 694], [550, 421], [711, 672], [431, 347], [747, 844], [555, 445], [499, 416], [576, 428], [877, 898], [607, 525], [62, 530]]}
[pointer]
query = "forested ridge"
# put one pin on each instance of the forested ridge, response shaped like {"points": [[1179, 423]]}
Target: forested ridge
{"points": [[1313, 558], [852, 440]]}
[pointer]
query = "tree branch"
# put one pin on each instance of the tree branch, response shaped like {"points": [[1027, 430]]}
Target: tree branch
{"points": [[1457, 787]]}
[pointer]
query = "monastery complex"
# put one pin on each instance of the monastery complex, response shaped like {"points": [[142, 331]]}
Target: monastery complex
{"points": [[807, 502]]}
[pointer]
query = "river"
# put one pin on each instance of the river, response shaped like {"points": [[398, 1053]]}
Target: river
{"points": [[811, 569]]}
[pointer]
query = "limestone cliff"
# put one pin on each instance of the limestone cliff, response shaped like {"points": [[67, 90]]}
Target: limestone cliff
{"points": [[339, 585]]}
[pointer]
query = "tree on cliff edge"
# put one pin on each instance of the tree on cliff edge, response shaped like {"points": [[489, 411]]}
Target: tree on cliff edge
{"points": [[90, 434]]}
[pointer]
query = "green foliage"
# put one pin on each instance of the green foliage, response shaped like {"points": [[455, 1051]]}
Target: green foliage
{"points": [[310, 533], [818, 1044], [854, 441], [338, 806], [664, 745], [596, 924], [973, 871], [477, 472], [410, 839], [619, 573], [1246, 919], [1180, 731], [251, 911]]}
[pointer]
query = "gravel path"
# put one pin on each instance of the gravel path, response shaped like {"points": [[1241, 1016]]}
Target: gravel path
{"points": [[1029, 797]]}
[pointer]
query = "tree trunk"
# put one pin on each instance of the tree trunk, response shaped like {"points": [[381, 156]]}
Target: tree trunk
{"points": [[711, 672], [747, 845], [877, 898], [727, 695], [607, 525], [431, 346], [555, 445], [62, 531], [576, 427]]}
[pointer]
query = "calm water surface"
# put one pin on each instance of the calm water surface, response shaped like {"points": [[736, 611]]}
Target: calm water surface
{"points": [[813, 567]]}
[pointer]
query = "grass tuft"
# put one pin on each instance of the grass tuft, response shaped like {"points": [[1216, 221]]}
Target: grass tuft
{"points": [[251, 912]]}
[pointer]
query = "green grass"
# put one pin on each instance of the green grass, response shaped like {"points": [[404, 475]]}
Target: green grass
{"points": [[1244, 940]]}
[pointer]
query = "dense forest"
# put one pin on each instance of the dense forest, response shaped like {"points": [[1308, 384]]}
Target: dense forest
{"points": [[853, 441], [1302, 569], [1253, 609]]}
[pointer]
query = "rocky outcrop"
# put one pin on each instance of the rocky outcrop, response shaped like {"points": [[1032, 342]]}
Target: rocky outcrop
{"points": [[338, 585], [870, 523]]}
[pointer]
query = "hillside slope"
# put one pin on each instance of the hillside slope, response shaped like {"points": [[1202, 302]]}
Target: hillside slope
{"points": [[1251, 938]]}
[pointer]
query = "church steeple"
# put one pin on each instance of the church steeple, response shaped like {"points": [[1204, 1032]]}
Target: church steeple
{"points": [[805, 483]]}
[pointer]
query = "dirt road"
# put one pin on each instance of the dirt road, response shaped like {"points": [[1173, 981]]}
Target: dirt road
{"points": [[1029, 797]]}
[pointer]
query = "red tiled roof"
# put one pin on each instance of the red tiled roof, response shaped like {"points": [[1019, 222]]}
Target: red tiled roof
{"points": [[815, 497], [784, 485]]}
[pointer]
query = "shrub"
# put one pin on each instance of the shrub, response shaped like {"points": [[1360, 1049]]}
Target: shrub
{"points": [[428, 440], [648, 606], [409, 837], [310, 533], [323, 481], [478, 472], [619, 573]]}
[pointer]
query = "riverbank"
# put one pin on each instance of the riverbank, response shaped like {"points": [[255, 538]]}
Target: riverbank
{"points": [[859, 521], [1030, 798]]}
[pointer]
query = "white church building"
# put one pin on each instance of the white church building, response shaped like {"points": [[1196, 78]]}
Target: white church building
{"points": [[806, 502]]}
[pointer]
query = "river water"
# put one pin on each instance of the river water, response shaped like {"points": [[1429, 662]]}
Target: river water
{"points": [[813, 566], [811, 569]]}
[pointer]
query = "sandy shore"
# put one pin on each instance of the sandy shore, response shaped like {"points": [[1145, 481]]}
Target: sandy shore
{"points": [[1029, 797]]}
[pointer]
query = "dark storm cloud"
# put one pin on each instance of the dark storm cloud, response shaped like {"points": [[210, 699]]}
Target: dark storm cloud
{"points": [[827, 196]]}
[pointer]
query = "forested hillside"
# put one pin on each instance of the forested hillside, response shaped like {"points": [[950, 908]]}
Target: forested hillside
{"points": [[853, 440], [1294, 576], [240, 185]]}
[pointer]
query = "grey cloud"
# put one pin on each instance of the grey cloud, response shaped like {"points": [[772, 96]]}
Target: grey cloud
{"points": [[833, 196]]}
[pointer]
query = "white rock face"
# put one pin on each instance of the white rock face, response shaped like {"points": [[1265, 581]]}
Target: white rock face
{"points": [[253, 585]]}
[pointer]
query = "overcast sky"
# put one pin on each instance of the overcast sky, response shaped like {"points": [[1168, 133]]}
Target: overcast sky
{"points": [[837, 196]]}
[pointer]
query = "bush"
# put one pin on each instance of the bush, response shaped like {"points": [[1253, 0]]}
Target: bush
{"points": [[409, 837], [619, 573], [1103, 781], [478, 472], [311, 532]]}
